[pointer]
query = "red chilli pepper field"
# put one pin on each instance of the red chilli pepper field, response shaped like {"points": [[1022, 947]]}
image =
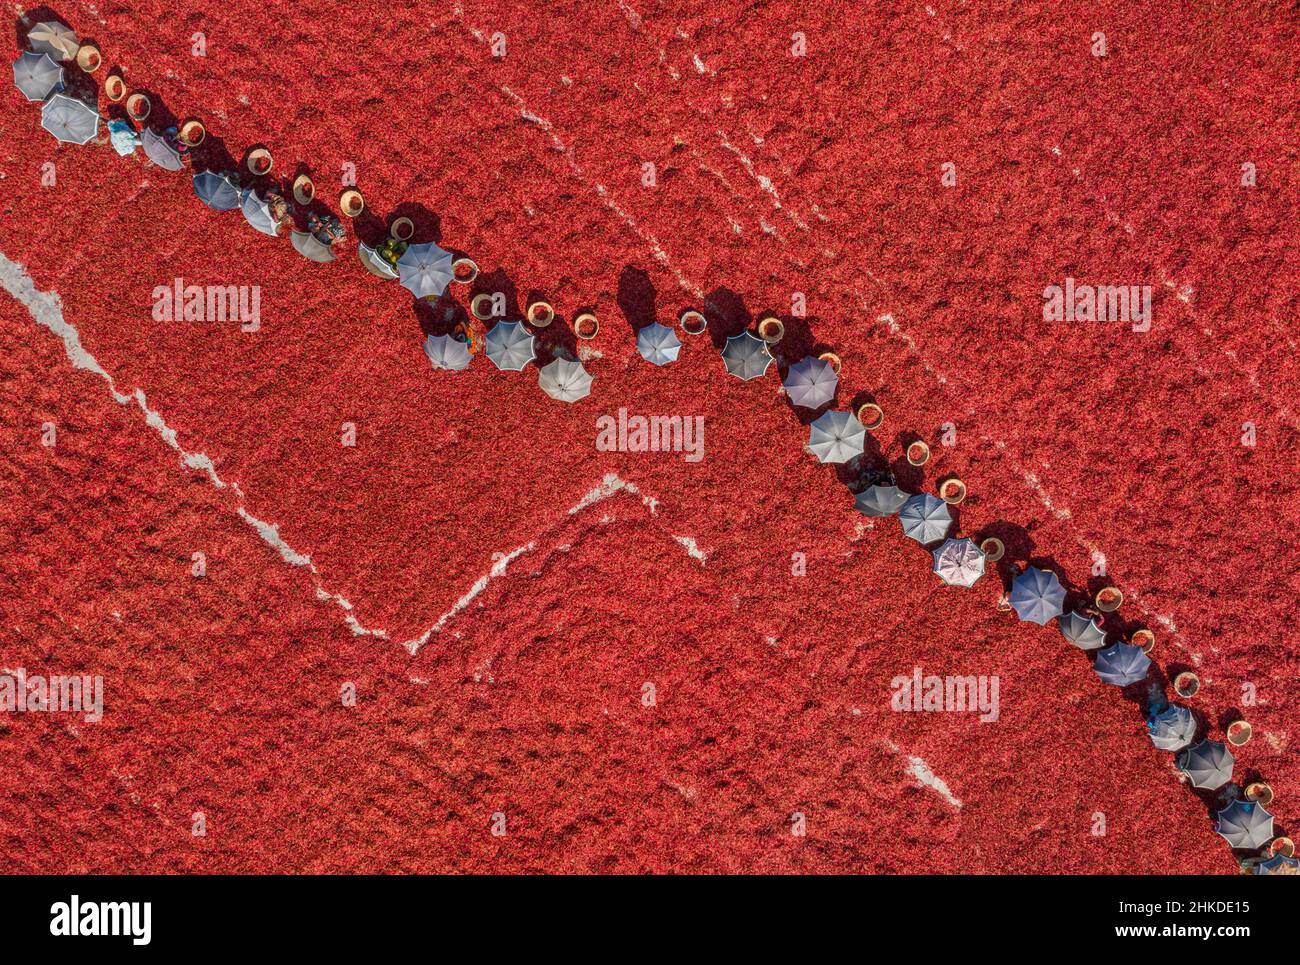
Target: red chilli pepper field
{"points": [[498, 592]]}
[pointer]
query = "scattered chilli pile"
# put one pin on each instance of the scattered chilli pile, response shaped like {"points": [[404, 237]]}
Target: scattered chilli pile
{"points": [[835, 436]]}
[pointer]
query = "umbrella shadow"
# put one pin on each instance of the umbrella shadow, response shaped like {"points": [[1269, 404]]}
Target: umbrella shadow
{"points": [[440, 316], [636, 297], [373, 229], [213, 155]]}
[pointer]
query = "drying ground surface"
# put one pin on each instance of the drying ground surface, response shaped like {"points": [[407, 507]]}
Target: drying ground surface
{"points": [[498, 592]]}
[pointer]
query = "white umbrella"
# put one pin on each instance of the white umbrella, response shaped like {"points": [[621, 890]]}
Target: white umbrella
{"points": [[958, 562], [811, 383], [1037, 595], [1122, 665], [375, 264], [925, 518], [258, 213], [310, 247], [510, 346], [54, 38], [880, 500], [37, 75], [446, 352], [565, 380], [836, 436], [217, 191], [1245, 825], [1082, 630], [746, 356], [425, 270], [658, 344], [161, 151], [69, 119]]}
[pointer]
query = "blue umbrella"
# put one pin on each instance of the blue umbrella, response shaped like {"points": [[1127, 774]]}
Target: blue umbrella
{"points": [[1122, 664], [836, 436], [746, 356], [1037, 596], [1245, 825], [37, 75], [510, 346], [958, 562], [69, 119], [925, 518], [1173, 728], [880, 500], [1208, 765], [1279, 864], [1082, 630], [425, 270], [161, 150], [658, 344], [217, 191], [811, 383]]}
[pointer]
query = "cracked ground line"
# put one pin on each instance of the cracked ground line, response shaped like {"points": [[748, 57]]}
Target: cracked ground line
{"points": [[46, 309]]}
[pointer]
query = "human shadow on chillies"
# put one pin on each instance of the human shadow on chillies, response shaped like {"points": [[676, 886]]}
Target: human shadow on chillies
{"points": [[213, 155], [498, 282], [373, 229], [637, 298], [441, 316], [726, 314], [556, 340]]}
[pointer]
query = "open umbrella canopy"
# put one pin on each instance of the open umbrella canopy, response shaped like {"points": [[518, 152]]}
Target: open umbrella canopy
{"points": [[565, 380], [217, 191], [446, 352], [258, 213], [925, 518], [746, 356], [373, 262], [959, 562], [37, 75], [311, 247], [1173, 728], [1208, 765], [161, 151], [1037, 595], [1279, 864], [1122, 664], [1245, 825], [510, 346], [811, 383], [425, 270], [880, 500], [54, 38], [69, 119], [658, 344], [1082, 630], [836, 436]]}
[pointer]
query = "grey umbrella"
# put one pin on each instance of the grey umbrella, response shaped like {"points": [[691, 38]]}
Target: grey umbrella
{"points": [[37, 75], [565, 380], [925, 518], [1122, 664], [258, 213], [373, 262], [54, 38], [217, 191], [1245, 825], [1208, 765], [1279, 864], [446, 352], [658, 344], [69, 120], [880, 500], [958, 562], [811, 383], [510, 346], [311, 247], [161, 151], [425, 270], [1082, 630], [1037, 595], [746, 356], [836, 436], [1173, 728]]}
